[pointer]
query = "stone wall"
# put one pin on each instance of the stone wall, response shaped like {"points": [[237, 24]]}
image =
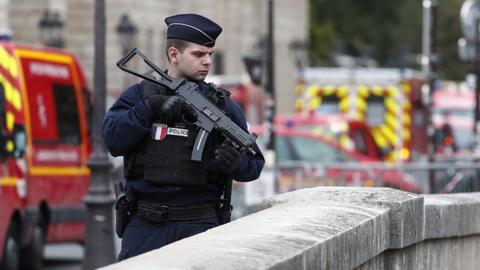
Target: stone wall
{"points": [[24, 16], [4, 20], [244, 23], [335, 228]]}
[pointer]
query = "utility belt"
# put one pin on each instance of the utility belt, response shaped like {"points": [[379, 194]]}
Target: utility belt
{"points": [[162, 213], [126, 207]]}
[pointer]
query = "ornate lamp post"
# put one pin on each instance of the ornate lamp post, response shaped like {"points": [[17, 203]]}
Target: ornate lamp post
{"points": [[299, 49], [99, 244], [254, 65], [51, 29], [270, 84], [126, 31], [429, 61]]}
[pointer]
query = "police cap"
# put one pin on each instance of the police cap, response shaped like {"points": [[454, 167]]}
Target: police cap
{"points": [[194, 28]]}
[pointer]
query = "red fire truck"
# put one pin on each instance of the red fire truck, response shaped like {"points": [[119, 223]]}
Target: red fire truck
{"points": [[44, 148], [330, 150], [351, 134], [389, 100]]}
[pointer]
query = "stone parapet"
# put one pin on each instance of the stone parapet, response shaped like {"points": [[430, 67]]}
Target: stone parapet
{"points": [[452, 215], [317, 228], [335, 228]]}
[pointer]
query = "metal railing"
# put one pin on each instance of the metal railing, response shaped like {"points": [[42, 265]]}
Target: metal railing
{"points": [[448, 177]]}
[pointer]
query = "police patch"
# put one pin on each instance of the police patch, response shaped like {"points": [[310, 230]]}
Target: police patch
{"points": [[159, 131], [177, 132]]}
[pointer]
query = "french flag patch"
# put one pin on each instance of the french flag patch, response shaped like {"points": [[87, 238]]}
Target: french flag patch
{"points": [[159, 131]]}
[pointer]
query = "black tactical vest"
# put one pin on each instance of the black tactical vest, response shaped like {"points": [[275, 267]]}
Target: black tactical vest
{"points": [[165, 157]]}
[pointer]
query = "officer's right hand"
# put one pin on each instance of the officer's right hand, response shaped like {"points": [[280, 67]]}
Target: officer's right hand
{"points": [[227, 158]]}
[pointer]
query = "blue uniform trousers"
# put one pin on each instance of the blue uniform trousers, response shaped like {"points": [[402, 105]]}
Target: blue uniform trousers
{"points": [[141, 236]]}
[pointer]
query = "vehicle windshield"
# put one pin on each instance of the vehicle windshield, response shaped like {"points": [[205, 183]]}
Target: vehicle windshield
{"points": [[306, 149], [321, 130]]}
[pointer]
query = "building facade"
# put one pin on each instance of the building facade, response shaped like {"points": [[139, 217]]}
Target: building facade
{"points": [[244, 23]]}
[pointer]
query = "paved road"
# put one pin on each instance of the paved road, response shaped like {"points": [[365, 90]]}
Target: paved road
{"points": [[63, 257], [66, 256]]}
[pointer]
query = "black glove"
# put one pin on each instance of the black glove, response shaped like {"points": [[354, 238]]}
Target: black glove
{"points": [[226, 157], [190, 113], [171, 108]]}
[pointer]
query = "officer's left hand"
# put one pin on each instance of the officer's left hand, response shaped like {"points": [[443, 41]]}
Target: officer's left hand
{"points": [[171, 108], [227, 157], [190, 114]]}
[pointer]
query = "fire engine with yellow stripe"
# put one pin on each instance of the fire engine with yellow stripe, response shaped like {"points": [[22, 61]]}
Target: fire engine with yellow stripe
{"points": [[389, 100], [44, 148]]}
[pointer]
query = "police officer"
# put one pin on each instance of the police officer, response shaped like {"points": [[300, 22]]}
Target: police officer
{"points": [[172, 197]]}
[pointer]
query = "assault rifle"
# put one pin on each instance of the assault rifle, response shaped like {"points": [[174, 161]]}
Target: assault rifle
{"points": [[209, 116]]}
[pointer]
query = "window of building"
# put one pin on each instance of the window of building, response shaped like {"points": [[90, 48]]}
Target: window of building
{"points": [[218, 67]]}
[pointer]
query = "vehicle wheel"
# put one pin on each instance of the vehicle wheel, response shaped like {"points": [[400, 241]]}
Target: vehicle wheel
{"points": [[34, 250], [11, 252]]}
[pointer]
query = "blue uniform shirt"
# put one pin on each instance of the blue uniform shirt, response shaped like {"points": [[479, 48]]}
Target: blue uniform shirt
{"points": [[129, 121]]}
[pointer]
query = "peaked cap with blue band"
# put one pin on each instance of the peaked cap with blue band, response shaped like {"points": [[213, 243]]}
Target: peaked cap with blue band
{"points": [[194, 28]]}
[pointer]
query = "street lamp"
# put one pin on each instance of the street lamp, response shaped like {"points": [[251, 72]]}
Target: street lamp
{"points": [[429, 62], [99, 244], [299, 48], [126, 31], [254, 65], [51, 29]]}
